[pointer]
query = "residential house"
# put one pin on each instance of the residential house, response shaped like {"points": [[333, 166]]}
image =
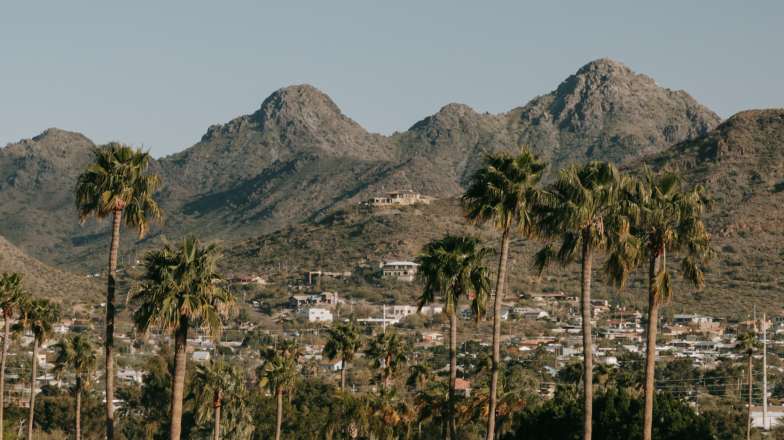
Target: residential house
{"points": [[334, 364], [403, 311], [402, 270], [530, 312], [600, 305], [433, 336], [674, 330], [777, 320], [319, 274], [328, 299], [747, 326], [199, 356], [244, 280], [61, 328], [631, 316], [774, 416], [463, 387], [313, 315], [465, 314], [402, 197], [130, 374]]}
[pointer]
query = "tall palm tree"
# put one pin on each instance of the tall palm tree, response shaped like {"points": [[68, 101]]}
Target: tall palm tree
{"points": [[77, 353], [668, 219], [38, 316], [452, 267], [12, 296], [582, 209], [387, 352], [748, 343], [278, 376], [503, 192], [213, 384], [344, 341], [112, 184], [178, 287]]}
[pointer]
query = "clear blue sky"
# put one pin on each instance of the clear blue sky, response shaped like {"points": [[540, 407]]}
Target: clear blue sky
{"points": [[160, 73]]}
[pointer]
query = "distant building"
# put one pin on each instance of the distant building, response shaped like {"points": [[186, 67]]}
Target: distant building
{"points": [[463, 387], [777, 319], [402, 270], [334, 365], [403, 311], [600, 305], [198, 356], [401, 197], [530, 312], [433, 336], [630, 316], [130, 374], [775, 413], [244, 280], [313, 315], [328, 299]]}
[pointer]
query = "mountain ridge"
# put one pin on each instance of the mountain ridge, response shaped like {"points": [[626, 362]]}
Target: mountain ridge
{"points": [[298, 156]]}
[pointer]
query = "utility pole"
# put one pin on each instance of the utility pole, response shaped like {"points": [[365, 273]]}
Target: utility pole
{"points": [[764, 374]]}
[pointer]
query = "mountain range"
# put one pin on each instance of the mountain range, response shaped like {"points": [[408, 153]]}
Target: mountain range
{"points": [[298, 157]]}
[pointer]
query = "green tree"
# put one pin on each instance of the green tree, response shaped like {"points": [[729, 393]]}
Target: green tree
{"points": [[344, 341], [747, 343], [452, 267], [582, 209], [572, 373], [77, 353], [112, 184], [667, 219], [604, 374], [390, 417], [503, 192], [178, 286], [352, 415], [387, 352], [38, 316], [432, 403], [12, 296], [214, 384], [509, 402], [278, 376]]}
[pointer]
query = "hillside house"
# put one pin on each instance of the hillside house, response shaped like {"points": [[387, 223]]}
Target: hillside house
{"points": [[463, 387], [402, 270], [328, 299], [131, 375], [318, 274], [401, 197], [313, 315], [199, 356], [433, 336], [600, 305], [530, 312], [777, 320], [401, 312], [245, 280], [633, 317]]}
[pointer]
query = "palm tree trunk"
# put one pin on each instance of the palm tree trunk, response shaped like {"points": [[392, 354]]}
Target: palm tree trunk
{"points": [[7, 316], [178, 385], [420, 431], [343, 375], [499, 290], [452, 375], [279, 417], [32, 390], [748, 422], [587, 340], [650, 356], [112, 284], [443, 428], [78, 405], [217, 422]]}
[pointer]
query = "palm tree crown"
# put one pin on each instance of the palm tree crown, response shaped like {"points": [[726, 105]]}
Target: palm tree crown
{"points": [[344, 342], [75, 352], [12, 293], [114, 182], [179, 282], [387, 352], [39, 316]]}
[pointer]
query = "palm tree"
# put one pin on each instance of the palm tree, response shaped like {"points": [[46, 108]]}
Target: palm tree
{"points": [[503, 192], [278, 375], [178, 286], [78, 353], [344, 342], [509, 402], [387, 352], [453, 267], [572, 373], [432, 402], [419, 375], [668, 219], [213, 384], [352, 414], [38, 316], [390, 418], [748, 343], [582, 209], [313, 365], [12, 296], [112, 184], [605, 373]]}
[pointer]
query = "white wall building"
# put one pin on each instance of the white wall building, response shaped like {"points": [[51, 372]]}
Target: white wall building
{"points": [[402, 270], [314, 315], [403, 311]]}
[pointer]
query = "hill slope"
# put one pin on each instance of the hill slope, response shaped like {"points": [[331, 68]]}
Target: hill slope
{"points": [[46, 281], [298, 156]]}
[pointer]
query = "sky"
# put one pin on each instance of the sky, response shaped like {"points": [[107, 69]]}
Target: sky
{"points": [[159, 74]]}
